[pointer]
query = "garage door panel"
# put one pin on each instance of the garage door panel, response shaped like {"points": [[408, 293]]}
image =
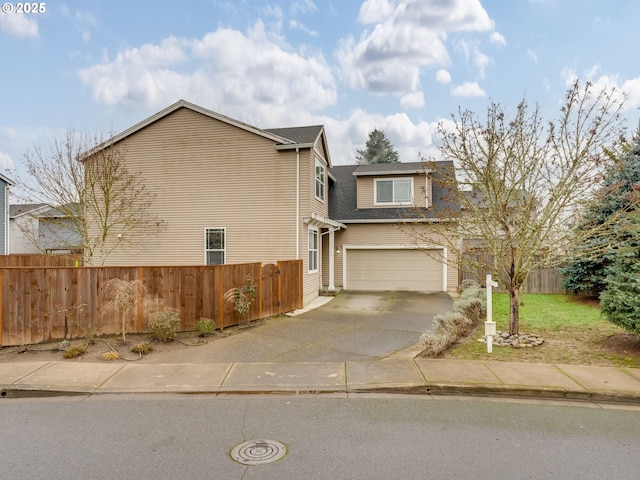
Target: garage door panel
{"points": [[394, 269]]}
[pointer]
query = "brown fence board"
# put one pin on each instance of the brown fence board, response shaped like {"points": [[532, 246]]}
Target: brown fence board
{"points": [[269, 284], [540, 280], [39, 304], [290, 289], [40, 260]]}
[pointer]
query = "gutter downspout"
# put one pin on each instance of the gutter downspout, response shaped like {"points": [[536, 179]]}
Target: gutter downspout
{"points": [[7, 235], [297, 203]]}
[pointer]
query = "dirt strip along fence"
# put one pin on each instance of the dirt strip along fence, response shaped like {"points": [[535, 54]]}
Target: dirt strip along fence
{"points": [[41, 304], [540, 280]]}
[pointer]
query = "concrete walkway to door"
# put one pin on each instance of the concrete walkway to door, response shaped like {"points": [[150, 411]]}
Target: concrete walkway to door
{"points": [[351, 326]]}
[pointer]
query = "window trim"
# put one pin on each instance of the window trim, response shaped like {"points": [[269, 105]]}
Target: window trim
{"points": [[312, 250], [223, 250], [317, 181], [393, 182]]}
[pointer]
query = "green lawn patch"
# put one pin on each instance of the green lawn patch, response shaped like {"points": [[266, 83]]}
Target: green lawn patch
{"points": [[573, 330]]}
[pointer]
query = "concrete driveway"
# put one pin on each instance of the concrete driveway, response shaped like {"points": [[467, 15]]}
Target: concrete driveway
{"points": [[351, 326]]}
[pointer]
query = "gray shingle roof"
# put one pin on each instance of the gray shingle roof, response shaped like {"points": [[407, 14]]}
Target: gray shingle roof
{"points": [[18, 209], [300, 135], [342, 193]]}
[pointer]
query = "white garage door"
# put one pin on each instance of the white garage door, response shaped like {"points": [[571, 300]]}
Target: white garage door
{"points": [[394, 269]]}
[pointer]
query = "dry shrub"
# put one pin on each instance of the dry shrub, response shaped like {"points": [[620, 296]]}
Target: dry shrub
{"points": [[447, 328], [164, 325], [471, 308], [123, 298], [142, 348], [110, 355], [75, 351]]}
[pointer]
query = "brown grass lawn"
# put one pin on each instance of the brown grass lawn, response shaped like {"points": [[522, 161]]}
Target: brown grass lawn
{"points": [[573, 330]]}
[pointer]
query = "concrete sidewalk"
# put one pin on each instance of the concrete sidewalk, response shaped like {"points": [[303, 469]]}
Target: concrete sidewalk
{"points": [[354, 343], [402, 375]]}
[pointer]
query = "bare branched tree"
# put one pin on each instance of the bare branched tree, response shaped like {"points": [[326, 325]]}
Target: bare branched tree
{"points": [[95, 201], [522, 182]]}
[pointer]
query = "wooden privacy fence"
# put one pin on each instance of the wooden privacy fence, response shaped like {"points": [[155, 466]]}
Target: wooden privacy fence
{"points": [[540, 280], [40, 260], [41, 304]]}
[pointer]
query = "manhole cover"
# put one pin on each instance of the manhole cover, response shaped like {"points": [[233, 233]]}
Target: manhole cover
{"points": [[258, 452]]}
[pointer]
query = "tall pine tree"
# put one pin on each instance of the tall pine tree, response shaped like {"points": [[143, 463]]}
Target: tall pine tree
{"points": [[378, 149], [619, 196]]}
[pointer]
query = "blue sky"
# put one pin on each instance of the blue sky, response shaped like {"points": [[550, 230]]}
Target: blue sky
{"points": [[352, 65]]}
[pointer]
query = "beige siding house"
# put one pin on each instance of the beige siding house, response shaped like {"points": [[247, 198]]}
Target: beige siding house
{"points": [[376, 251], [229, 192]]}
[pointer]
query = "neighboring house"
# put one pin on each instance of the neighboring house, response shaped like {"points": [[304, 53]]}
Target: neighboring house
{"points": [[5, 184], [229, 192], [39, 228], [23, 219]]}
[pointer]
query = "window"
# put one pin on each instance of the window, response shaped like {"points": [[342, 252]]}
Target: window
{"points": [[397, 191], [320, 170], [214, 246], [313, 250]]}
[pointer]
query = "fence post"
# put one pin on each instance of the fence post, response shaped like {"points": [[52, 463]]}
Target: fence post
{"points": [[140, 301]]}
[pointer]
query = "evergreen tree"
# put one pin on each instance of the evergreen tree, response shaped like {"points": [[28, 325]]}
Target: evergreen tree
{"points": [[378, 149], [620, 300], [617, 197]]}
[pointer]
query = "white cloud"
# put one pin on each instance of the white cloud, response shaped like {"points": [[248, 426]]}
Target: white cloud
{"points": [[408, 138], [296, 25], [413, 100], [19, 25], [627, 91], [472, 54], [498, 39], [303, 6], [5, 161], [9, 133], [443, 76], [225, 67], [468, 89], [83, 22], [375, 11], [404, 37], [533, 56]]}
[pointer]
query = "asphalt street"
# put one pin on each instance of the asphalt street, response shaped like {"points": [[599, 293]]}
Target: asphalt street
{"points": [[163, 436]]}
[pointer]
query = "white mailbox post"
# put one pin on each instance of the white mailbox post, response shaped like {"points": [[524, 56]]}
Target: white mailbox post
{"points": [[490, 325]]}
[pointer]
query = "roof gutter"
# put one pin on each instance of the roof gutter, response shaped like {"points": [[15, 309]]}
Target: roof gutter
{"points": [[295, 146]]}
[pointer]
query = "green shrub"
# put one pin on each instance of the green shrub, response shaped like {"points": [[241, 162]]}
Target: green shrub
{"points": [[244, 297], [164, 325], [205, 326]]}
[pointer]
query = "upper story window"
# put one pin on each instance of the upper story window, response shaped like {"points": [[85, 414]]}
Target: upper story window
{"points": [[215, 245], [320, 180], [396, 191]]}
